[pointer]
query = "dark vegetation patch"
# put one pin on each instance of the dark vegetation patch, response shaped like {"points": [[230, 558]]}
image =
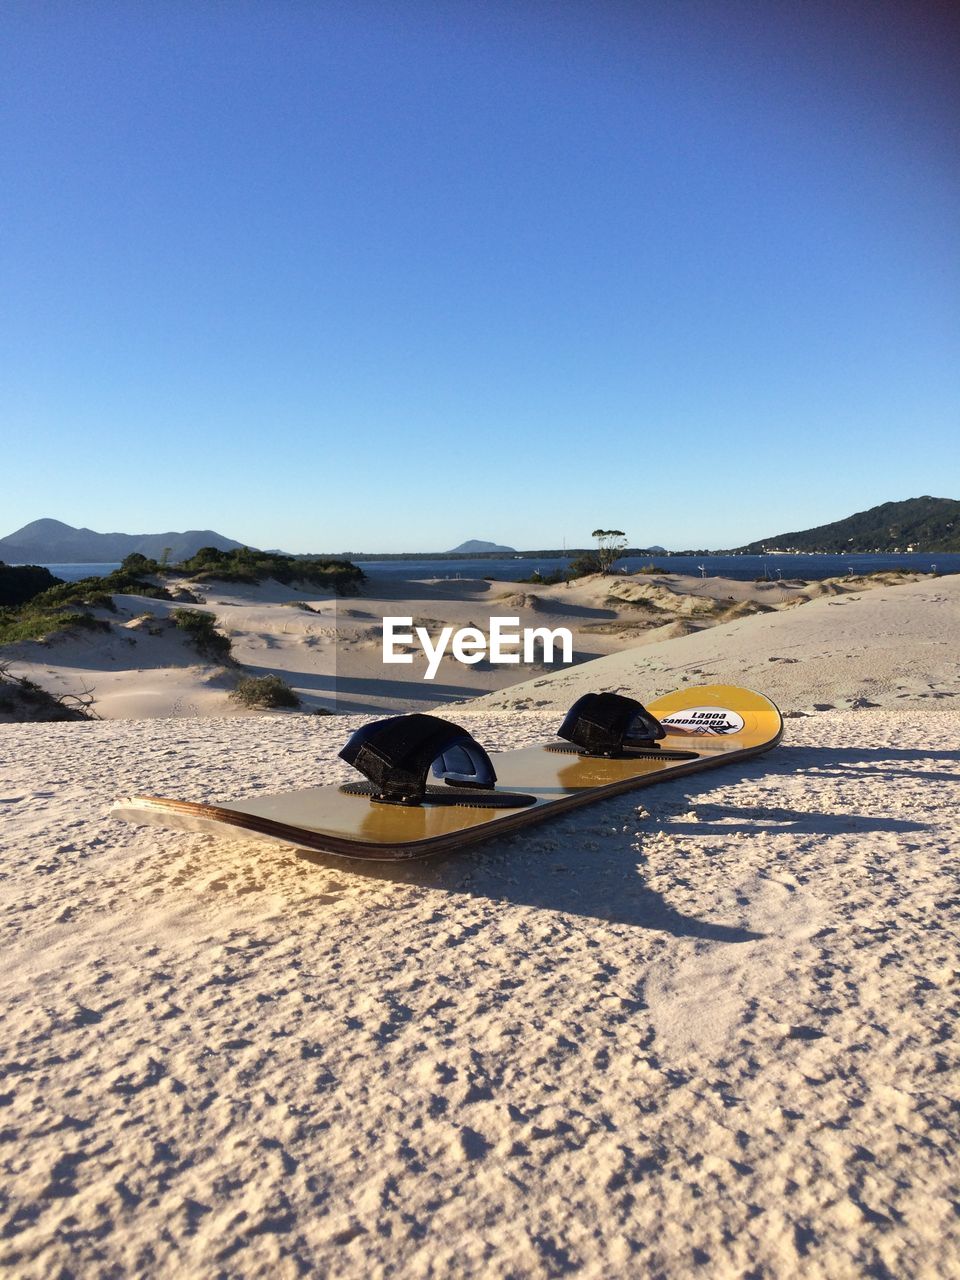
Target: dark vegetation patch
{"points": [[27, 623], [98, 593], [265, 691], [21, 582], [201, 629], [554, 579], [581, 566], [246, 565], [34, 604], [65, 606]]}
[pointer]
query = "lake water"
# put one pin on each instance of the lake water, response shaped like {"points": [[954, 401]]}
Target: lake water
{"points": [[746, 568], [74, 572]]}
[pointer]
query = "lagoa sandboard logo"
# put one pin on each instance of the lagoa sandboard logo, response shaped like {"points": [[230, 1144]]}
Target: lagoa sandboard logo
{"points": [[705, 720]]}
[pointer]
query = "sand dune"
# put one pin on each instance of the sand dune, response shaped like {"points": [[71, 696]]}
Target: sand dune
{"points": [[330, 650], [142, 667], [893, 646]]}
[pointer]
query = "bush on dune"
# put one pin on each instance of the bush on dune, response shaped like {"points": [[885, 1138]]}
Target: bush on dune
{"points": [[35, 604], [584, 565], [29, 623], [137, 565], [64, 606], [265, 691], [539, 579], [98, 593], [247, 565], [201, 629]]}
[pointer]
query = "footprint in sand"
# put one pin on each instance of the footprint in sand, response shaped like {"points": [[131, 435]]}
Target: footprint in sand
{"points": [[700, 1000]]}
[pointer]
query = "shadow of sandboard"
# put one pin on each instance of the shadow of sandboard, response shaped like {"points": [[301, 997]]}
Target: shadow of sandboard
{"points": [[714, 724]]}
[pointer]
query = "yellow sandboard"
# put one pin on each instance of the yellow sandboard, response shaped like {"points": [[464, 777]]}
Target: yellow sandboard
{"points": [[720, 723]]}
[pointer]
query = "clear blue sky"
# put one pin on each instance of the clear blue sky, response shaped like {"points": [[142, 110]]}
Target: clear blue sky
{"points": [[385, 276]]}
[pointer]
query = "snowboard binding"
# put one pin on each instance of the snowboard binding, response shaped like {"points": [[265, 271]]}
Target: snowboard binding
{"points": [[613, 727], [396, 755]]}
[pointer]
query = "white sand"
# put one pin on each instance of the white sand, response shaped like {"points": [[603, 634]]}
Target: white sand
{"points": [[710, 1029]]}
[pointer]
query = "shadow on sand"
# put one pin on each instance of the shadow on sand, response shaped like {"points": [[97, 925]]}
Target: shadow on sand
{"points": [[597, 872], [604, 884], [337, 688]]}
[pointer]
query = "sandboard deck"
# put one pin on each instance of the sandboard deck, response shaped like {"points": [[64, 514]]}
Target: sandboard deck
{"points": [[325, 820]]}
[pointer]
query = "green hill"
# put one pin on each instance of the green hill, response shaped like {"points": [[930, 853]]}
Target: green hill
{"points": [[917, 524]]}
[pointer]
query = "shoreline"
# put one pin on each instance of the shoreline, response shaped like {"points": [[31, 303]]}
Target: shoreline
{"points": [[940, 562]]}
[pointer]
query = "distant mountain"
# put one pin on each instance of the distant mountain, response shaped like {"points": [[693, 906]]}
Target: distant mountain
{"points": [[52, 542], [474, 548], [917, 524]]}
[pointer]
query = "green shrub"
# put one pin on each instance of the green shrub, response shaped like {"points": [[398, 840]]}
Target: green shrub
{"points": [[265, 691], [29, 623], [201, 628], [136, 564], [98, 593], [62, 606], [584, 565], [246, 565], [539, 579], [87, 591], [122, 583]]}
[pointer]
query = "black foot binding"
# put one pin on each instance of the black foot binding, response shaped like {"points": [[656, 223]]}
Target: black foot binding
{"points": [[396, 755], [609, 725]]}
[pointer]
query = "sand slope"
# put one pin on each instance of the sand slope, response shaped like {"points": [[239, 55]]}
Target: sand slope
{"points": [[893, 646]]}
